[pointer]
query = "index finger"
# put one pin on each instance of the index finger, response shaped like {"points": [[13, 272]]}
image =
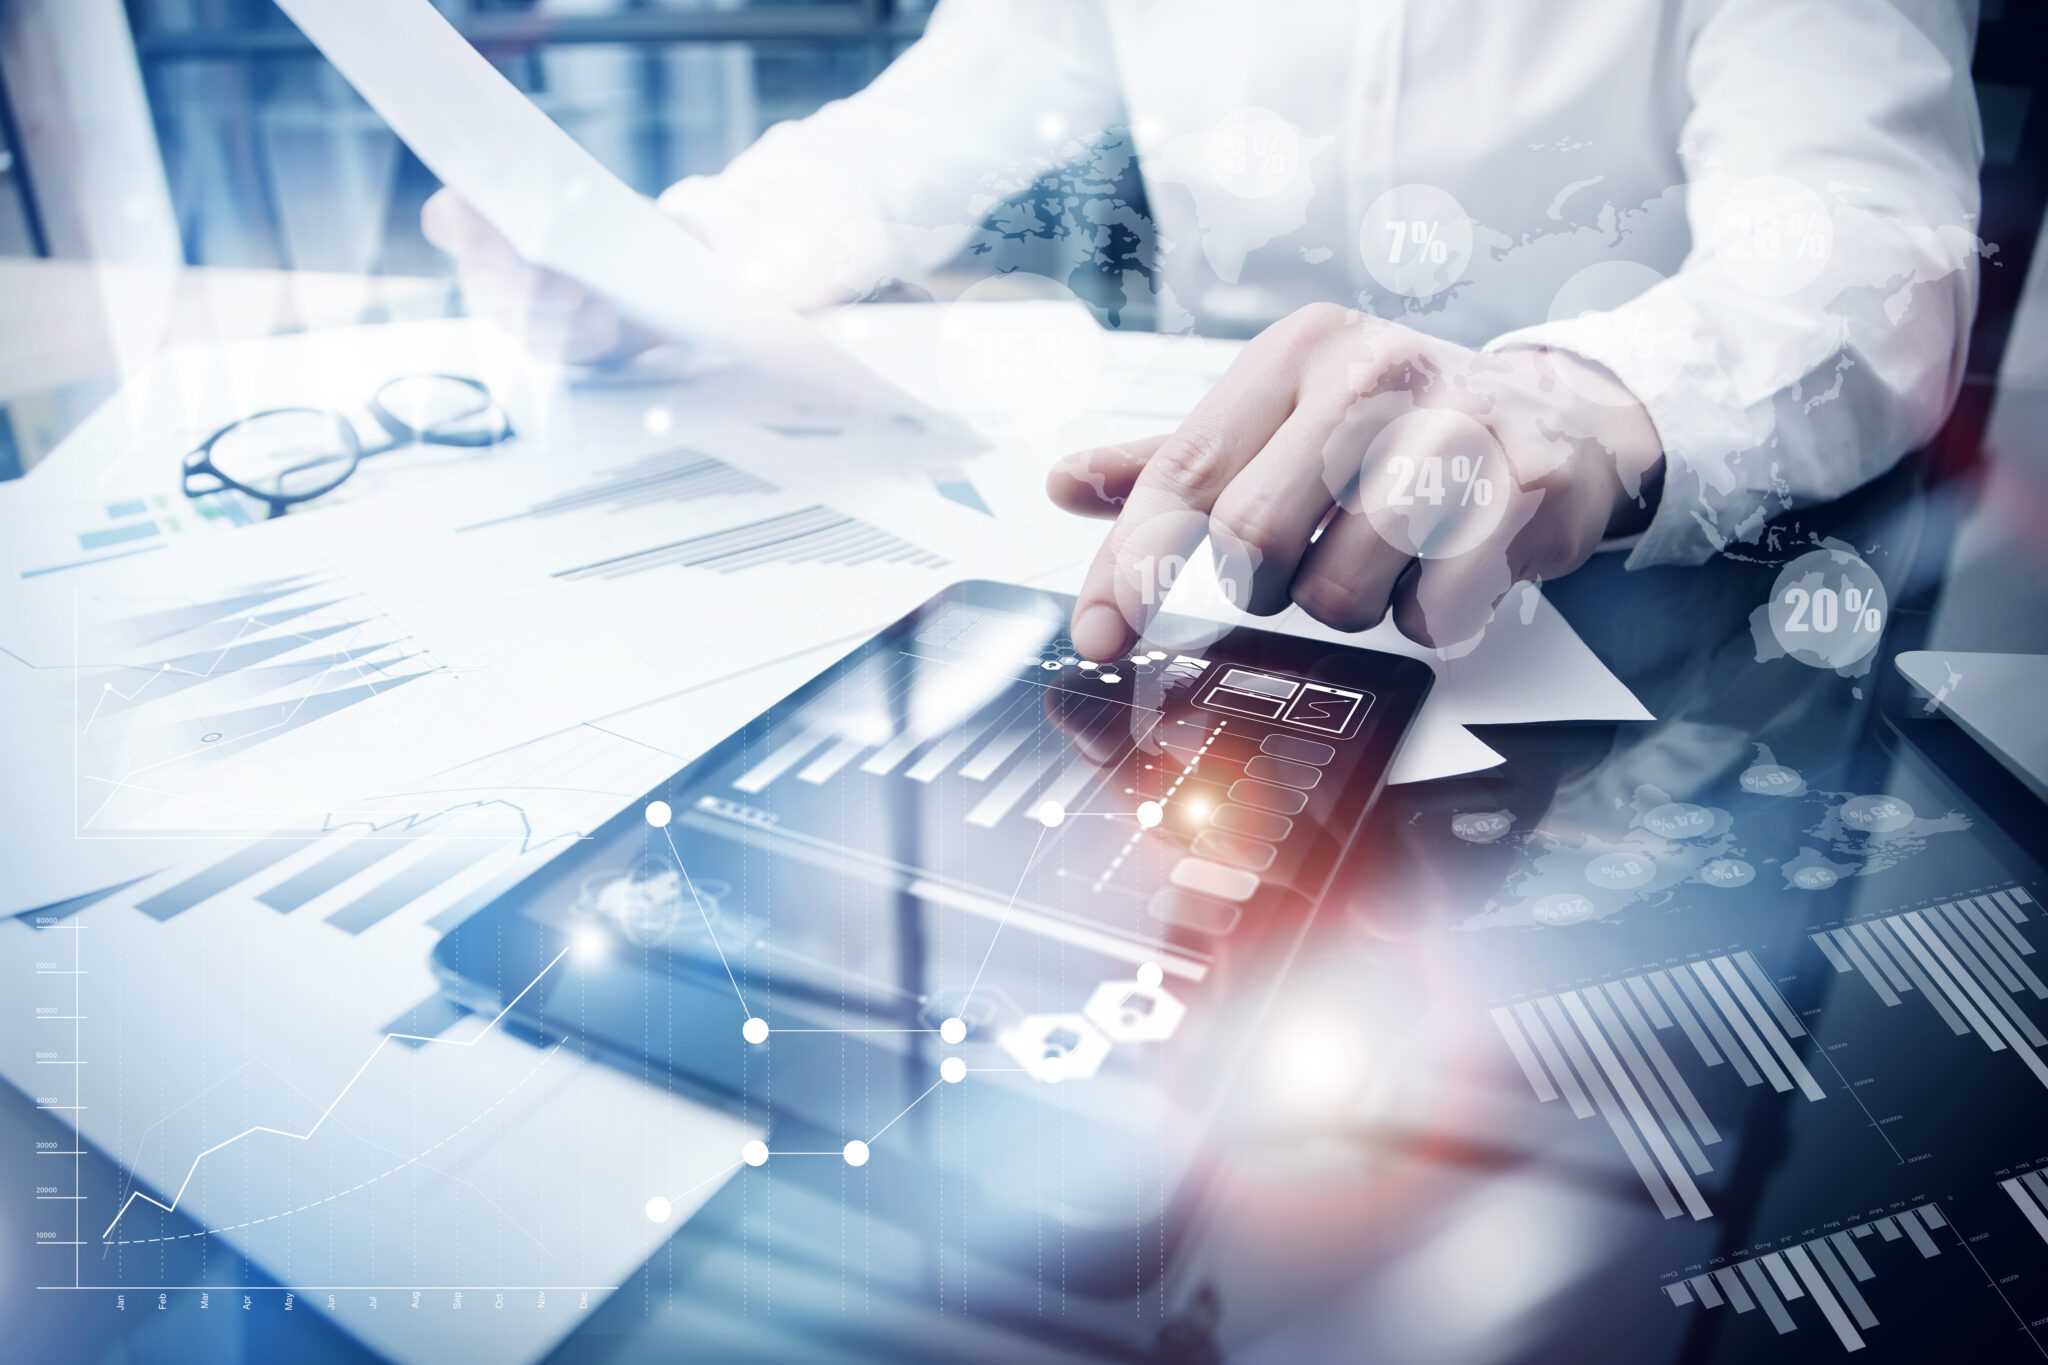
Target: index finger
{"points": [[1167, 513]]}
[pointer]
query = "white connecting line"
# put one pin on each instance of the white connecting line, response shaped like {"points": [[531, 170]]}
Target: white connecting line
{"points": [[306, 1136], [712, 933], [1029, 859], [878, 1132]]}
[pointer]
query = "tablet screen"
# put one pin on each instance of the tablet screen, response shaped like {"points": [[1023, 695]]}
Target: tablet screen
{"points": [[965, 819]]}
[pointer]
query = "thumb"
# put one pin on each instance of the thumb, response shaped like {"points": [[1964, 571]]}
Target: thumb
{"points": [[447, 221]]}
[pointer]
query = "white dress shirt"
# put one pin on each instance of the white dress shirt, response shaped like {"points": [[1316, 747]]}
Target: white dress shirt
{"points": [[1800, 176]]}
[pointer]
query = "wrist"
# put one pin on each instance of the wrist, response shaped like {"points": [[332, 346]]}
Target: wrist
{"points": [[1621, 427]]}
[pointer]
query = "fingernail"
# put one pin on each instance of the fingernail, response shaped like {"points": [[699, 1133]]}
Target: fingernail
{"points": [[1100, 632]]}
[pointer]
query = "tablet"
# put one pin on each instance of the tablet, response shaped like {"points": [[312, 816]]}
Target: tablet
{"points": [[965, 860]]}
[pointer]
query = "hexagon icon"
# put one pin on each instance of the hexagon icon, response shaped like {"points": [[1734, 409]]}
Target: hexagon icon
{"points": [[1057, 1047], [1132, 1012]]}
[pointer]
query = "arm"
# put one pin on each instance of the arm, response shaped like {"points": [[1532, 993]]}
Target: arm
{"points": [[1743, 385], [1768, 389], [884, 183], [887, 182]]}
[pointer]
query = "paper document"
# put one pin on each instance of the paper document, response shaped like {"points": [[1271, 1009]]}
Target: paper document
{"points": [[233, 1032], [169, 683], [557, 205]]}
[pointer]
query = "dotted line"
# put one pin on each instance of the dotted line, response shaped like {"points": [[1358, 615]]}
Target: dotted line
{"points": [[1132, 842]]}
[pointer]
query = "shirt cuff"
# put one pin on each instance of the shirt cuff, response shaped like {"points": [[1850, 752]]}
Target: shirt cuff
{"points": [[1646, 345]]}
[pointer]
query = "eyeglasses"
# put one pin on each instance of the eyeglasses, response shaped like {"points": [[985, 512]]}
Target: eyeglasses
{"points": [[284, 456]]}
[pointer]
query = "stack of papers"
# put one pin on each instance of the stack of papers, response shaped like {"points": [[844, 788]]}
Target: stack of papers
{"points": [[257, 768], [175, 681]]}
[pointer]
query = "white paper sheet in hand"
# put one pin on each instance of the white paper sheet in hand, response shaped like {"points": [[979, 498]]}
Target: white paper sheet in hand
{"points": [[555, 203]]}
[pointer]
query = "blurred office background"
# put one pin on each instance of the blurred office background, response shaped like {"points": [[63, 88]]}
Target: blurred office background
{"points": [[271, 160], [209, 133]]}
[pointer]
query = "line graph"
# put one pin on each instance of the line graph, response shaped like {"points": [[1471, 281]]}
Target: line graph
{"points": [[413, 1160], [307, 1136]]}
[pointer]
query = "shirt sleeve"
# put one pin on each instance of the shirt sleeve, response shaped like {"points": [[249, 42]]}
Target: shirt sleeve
{"points": [[1816, 330], [893, 180]]}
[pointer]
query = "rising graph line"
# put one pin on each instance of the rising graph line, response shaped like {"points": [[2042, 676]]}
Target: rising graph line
{"points": [[418, 1158], [1028, 860], [306, 1136]]}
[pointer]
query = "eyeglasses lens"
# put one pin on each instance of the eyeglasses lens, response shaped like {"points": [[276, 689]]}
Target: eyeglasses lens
{"points": [[437, 408], [296, 453]]}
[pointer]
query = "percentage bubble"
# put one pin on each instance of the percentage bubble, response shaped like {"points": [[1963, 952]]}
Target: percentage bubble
{"points": [[1772, 779], [1827, 609], [1415, 240], [1727, 873], [1423, 235], [1482, 827], [1621, 871], [1430, 483], [1813, 878], [1021, 378], [1272, 156], [1623, 321], [1877, 814], [1254, 153], [1679, 820], [1772, 235], [1561, 908]]}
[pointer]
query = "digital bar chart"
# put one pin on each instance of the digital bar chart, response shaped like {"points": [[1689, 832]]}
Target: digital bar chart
{"points": [[1966, 958], [2029, 1194], [1826, 1270], [1598, 1051], [996, 739]]}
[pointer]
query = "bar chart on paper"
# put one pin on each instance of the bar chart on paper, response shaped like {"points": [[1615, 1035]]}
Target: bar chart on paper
{"points": [[152, 707], [1601, 1051], [439, 854], [236, 671], [1826, 1272], [669, 476], [1966, 959], [809, 535], [770, 528], [77, 535]]}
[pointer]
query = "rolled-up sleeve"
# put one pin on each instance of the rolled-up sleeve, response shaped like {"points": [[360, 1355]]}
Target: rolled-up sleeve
{"points": [[890, 182], [1795, 355]]}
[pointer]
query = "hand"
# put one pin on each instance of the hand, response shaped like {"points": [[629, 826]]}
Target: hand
{"points": [[1349, 465], [556, 317]]}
